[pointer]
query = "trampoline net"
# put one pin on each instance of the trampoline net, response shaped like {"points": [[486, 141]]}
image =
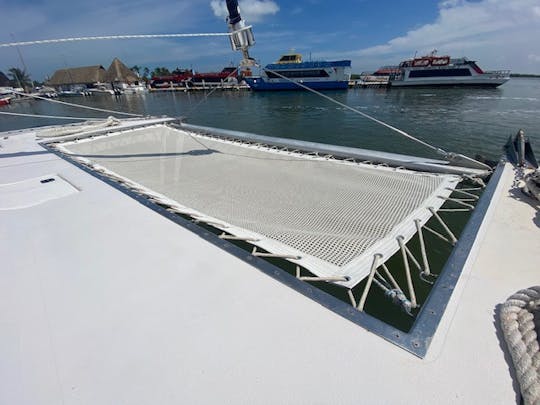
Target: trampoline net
{"points": [[333, 215]]}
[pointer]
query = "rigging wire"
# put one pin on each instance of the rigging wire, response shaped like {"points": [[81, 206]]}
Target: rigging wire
{"points": [[206, 95], [76, 105], [97, 38], [399, 131], [52, 116]]}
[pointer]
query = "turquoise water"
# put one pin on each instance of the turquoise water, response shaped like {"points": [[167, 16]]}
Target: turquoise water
{"points": [[471, 120]]}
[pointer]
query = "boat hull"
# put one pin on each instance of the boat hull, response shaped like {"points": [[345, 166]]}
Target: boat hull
{"points": [[449, 83], [259, 84]]}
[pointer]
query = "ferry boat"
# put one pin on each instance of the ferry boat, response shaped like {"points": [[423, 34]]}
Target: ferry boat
{"points": [[432, 70], [317, 75]]}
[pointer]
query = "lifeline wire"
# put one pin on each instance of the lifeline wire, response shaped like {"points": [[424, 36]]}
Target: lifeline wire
{"points": [[52, 116], [52, 41]]}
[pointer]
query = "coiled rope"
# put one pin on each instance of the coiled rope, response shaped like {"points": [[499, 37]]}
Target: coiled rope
{"points": [[78, 128], [520, 322]]}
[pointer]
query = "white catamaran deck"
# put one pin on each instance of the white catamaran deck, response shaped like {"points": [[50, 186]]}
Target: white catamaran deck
{"points": [[105, 301]]}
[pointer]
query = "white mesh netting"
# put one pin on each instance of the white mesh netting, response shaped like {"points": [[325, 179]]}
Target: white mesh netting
{"points": [[334, 215]]}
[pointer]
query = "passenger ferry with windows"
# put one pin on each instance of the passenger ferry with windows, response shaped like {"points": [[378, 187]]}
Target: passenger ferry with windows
{"points": [[433, 70], [317, 75]]}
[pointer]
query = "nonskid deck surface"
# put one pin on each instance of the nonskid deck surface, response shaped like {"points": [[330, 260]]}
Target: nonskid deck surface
{"points": [[330, 216], [104, 301]]}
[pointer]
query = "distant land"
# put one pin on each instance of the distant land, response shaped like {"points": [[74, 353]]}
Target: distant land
{"points": [[523, 75]]}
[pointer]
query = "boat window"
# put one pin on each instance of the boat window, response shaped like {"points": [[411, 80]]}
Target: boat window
{"points": [[290, 59], [299, 73], [440, 73]]}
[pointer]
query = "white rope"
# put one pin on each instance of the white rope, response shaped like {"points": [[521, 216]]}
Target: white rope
{"points": [[448, 231], [275, 255], [423, 251], [520, 330], [97, 38], [374, 266], [79, 128], [462, 191], [410, 285], [240, 238], [59, 117], [75, 105], [530, 184], [392, 279]]}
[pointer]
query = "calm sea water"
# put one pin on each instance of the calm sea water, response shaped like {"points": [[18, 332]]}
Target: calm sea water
{"points": [[471, 121]]}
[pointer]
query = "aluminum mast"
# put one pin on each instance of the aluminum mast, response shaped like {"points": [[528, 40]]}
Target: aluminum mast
{"points": [[241, 35]]}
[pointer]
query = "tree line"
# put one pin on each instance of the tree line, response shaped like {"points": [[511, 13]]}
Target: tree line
{"points": [[20, 78], [146, 74]]}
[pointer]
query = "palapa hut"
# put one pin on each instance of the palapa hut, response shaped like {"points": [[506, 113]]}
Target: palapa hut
{"points": [[77, 78], [120, 76]]}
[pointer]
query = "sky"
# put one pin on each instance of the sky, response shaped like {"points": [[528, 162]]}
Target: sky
{"points": [[499, 34]]}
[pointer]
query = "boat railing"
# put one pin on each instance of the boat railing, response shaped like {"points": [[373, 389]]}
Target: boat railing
{"points": [[498, 73], [396, 76]]}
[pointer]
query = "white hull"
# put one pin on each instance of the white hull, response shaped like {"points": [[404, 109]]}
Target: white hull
{"points": [[451, 81], [442, 71]]}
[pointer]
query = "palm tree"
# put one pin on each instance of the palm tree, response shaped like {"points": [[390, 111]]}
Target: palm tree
{"points": [[161, 71], [146, 74], [136, 69], [20, 77]]}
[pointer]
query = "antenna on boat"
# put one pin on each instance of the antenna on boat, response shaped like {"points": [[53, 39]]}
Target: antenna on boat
{"points": [[241, 36]]}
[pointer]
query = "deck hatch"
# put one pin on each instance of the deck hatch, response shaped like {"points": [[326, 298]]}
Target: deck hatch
{"points": [[31, 192]]}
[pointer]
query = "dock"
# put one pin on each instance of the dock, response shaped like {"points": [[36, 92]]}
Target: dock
{"points": [[226, 87]]}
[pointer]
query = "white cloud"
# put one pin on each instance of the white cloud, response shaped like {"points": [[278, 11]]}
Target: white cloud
{"points": [[498, 33], [250, 10], [534, 58]]}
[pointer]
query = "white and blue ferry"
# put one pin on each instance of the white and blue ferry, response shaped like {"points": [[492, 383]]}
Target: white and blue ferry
{"points": [[290, 69]]}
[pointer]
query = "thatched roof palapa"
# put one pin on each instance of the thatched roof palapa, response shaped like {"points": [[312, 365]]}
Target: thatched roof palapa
{"points": [[80, 75], [118, 72]]}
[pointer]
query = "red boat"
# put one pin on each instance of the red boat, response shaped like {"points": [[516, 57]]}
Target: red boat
{"points": [[215, 77], [4, 101], [178, 79]]}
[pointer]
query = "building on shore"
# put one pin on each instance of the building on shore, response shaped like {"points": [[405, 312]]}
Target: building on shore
{"points": [[117, 78], [120, 77], [79, 78]]}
